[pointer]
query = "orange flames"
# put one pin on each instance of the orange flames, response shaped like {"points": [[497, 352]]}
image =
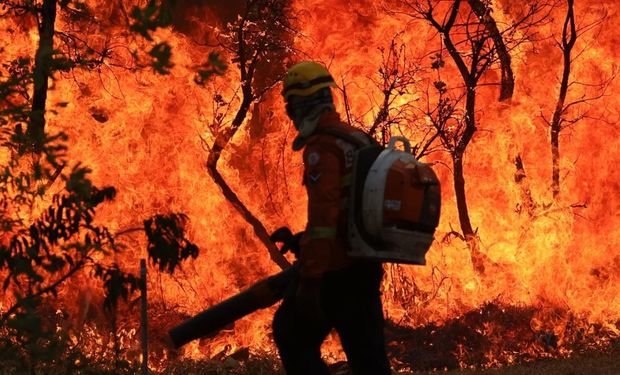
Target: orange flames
{"points": [[149, 136]]}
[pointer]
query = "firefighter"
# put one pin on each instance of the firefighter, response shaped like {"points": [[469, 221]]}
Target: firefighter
{"points": [[333, 291]]}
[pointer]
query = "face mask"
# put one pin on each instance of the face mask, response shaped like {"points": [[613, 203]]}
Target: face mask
{"points": [[306, 124]]}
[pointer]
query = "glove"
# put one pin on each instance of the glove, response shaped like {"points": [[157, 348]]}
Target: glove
{"points": [[308, 299], [294, 243], [290, 241]]}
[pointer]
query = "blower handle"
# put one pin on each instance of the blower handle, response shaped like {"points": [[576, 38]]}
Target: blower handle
{"points": [[402, 140]]}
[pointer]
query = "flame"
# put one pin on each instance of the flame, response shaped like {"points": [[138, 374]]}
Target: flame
{"points": [[146, 134]]}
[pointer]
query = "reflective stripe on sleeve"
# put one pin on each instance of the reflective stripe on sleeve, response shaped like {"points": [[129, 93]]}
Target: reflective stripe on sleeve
{"points": [[317, 233]]}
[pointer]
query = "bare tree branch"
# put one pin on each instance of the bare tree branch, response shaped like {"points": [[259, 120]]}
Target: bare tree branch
{"points": [[560, 119], [256, 37]]}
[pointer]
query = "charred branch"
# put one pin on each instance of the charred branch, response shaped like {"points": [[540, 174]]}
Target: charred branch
{"points": [[550, 209], [426, 145], [396, 79], [445, 30], [564, 114], [257, 37], [484, 15], [445, 121], [470, 74], [18, 8], [475, 43], [569, 37], [256, 224], [80, 54]]}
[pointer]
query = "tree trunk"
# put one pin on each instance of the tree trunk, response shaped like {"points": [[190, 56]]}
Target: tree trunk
{"points": [[458, 152], [41, 73], [555, 161], [470, 123], [556, 127], [479, 260], [457, 158], [461, 200], [569, 37]]}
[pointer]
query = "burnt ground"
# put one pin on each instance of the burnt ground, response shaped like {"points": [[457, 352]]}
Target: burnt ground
{"points": [[498, 336], [594, 364], [591, 364], [597, 363], [508, 340], [494, 339]]}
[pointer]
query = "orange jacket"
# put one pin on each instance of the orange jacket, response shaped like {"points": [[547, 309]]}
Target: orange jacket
{"points": [[328, 162]]}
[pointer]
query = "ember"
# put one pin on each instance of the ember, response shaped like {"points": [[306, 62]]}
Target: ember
{"points": [[511, 100]]}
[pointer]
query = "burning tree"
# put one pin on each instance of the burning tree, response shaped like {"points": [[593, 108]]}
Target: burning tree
{"points": [[569, 111], [396, 81], [476, 44], [257, 41]]}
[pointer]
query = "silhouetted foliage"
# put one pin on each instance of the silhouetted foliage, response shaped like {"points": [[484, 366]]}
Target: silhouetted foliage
{"points": [[214, 65], [147, 20], [154, 15], [159, 14], [48, 235], [167, 245], [117, 284], [48, 204]]}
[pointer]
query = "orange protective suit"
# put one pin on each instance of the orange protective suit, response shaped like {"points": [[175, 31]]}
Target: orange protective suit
{"points": [[328, 162], [334, 291]]}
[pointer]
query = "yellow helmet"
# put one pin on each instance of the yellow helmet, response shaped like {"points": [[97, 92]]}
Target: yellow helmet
{"points": [[306, 78]]}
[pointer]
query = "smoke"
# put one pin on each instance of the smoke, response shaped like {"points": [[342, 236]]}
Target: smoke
{"points": [[198, 18]]}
